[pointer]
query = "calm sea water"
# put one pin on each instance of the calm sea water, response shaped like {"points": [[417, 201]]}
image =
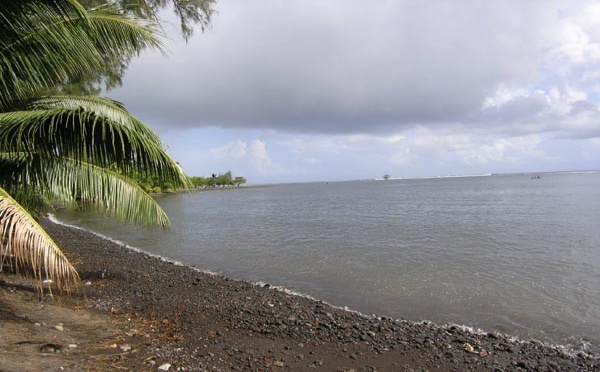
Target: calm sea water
{"points": [[505, 253]]}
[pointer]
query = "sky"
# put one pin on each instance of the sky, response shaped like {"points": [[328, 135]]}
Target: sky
{"points": [[312, 90]]}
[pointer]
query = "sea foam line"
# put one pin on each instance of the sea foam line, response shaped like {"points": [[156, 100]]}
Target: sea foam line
{"points": [[55, 220]]}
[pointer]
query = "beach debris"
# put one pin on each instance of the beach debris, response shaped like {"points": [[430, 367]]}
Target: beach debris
{"points": [[150, 360], [483, 353], [125, 347], [72, 346], [469, 348], [59, 327], [278, 363], [494, 335], [316, 364], [132, 332], [164, 367], [50, 348]]}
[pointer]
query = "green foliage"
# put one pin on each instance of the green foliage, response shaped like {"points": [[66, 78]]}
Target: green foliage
{"points": [[80, 151], [41, 48], [239, 181], [190, 13], [154, 184], [221, 180]]}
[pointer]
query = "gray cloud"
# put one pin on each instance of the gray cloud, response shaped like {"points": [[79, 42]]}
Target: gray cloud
{"points": [[346, 66]]}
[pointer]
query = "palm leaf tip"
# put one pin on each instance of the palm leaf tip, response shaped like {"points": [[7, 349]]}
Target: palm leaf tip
{"points": [[84, 184], [26, 246]]}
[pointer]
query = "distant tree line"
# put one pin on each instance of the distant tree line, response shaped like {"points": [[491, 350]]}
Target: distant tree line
{"points": [[153, 184], [157, 185], [221, 180]]}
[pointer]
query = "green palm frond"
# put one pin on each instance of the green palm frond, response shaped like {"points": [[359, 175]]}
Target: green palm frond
{"points": [[12, 12], [21, 174], [76, 184], [85, 136], [102, 106], [26, 246], [41, 47], [77, 150], [81, 184]]}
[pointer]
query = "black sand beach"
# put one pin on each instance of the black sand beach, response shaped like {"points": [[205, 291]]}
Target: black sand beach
{"points": [[157, 314]]}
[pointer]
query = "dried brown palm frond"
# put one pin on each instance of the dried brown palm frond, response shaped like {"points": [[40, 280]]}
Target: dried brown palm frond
{"points": [[24, 245]]}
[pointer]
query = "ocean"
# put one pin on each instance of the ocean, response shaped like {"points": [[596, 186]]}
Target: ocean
{"points": [[509, 254]]}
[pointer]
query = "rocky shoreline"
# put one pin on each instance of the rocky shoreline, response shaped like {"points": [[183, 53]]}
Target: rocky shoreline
{"points": [[188, 320]]}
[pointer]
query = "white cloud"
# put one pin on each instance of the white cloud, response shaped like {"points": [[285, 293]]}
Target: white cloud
{"points": [[260, 160], [235, 150], [420, 88], [288, 67], [253, 155]]}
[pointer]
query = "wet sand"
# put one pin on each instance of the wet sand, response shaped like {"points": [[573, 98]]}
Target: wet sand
{"points": [[170, 314]]}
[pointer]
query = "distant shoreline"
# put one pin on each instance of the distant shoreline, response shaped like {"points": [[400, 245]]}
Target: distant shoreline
{"points": [[211, 189]]}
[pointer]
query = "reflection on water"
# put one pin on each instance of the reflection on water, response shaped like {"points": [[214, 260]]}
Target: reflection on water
{"points": [[502, 253]]}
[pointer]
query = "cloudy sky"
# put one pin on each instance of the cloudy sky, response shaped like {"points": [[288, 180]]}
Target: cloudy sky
{"points": [[305, 90]]}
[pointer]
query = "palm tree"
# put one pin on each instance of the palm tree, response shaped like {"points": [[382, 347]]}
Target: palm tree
{"points": [[78, 151]]}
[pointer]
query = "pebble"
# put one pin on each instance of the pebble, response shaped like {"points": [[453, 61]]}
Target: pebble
{"points": [[59, 327], [50, 348], [164, 367], [522, 364], [468, 348]]}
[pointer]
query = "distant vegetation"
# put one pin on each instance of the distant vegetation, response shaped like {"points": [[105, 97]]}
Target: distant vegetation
{"points": [[221, 180], [153, 184]]}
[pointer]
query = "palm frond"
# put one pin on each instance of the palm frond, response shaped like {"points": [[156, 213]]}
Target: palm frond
{"points": [[102, 106], [41, 47], [77, 185], [85, 136], [26, 246], [82, 184], [24, 178]]}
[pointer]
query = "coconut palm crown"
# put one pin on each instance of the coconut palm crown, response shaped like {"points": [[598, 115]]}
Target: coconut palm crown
{"points": [[78, 151]]}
